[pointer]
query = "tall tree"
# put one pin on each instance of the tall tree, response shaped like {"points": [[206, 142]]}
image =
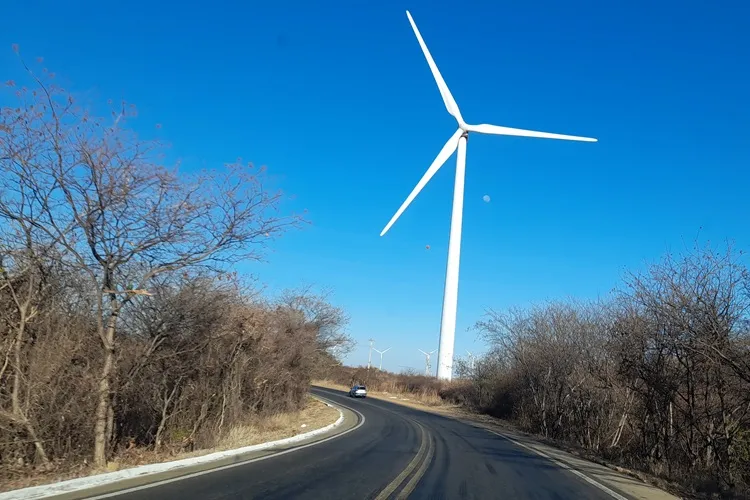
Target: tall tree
{"points": [[117, 214]]}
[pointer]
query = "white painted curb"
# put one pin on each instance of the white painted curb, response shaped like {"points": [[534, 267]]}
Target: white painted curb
{"points": [[83, 483]]}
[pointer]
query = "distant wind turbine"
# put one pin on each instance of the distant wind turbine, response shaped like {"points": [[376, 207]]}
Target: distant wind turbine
{"points": [[457, 141], [471, 360], [381, 356], [369, 356], [427, 365]]}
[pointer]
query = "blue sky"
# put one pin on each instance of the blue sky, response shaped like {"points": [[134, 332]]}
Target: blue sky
{"points": [[337, 100]]}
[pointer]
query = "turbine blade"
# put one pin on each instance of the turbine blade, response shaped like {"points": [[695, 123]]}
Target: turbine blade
{"points": [[498, 130], [441, 158], [450, 103]]}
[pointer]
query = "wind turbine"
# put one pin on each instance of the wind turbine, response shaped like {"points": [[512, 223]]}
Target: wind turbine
{"points": [[369, 356], [456, 142], [381, 357], [427, 361]]}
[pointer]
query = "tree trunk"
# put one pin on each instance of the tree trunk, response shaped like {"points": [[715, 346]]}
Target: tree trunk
{"points": [[189, 442], [37, 443], [15, 401], [165, 415], [18, 413], [160, 430], [110, 419], [104, 394]]}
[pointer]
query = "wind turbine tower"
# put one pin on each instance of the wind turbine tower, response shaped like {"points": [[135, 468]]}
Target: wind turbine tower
{"points": [[458, 142]]}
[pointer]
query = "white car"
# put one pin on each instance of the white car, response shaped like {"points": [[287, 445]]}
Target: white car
{"points": [[358, 391]]}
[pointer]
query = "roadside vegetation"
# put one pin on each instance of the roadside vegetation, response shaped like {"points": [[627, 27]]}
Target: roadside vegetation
{"points": [[122, 323], [655, 379], [409, 384]]}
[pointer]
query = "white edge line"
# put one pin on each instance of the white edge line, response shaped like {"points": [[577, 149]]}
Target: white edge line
{"points": [[578, 473], [84, 483]]}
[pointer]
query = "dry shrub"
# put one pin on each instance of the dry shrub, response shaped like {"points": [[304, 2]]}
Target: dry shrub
{"points": [[658, 379], [199, 360]]}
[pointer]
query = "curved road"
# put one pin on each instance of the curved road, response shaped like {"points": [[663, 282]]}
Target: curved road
{"points": [[399, 452]]}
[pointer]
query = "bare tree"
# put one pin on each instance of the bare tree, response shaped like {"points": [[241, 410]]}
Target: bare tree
{"points": [[320, 314], [683, 350], [22, 285], [25, 257], [119, 216]]}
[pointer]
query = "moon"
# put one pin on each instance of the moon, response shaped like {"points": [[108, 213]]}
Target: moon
{"points": [[486, 198]]}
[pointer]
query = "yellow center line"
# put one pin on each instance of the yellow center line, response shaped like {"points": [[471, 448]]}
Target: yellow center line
{"points": [[388, 490], [416, 477]]}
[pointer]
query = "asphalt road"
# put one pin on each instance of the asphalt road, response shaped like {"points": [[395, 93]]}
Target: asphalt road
{"points": [[399, 452]]}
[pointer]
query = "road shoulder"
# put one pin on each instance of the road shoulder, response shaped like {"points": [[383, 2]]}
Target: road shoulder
{"points": [[102, 485], [617, 485]]}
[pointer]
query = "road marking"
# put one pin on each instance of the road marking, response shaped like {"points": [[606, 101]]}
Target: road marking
{"points": [[388, 490], [427, 443], [583, 476], [418, 476], [230, 466], [559, 463]]}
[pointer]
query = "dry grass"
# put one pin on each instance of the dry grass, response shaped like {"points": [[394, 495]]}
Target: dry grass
{"points": [[258, 430], [283, 425], [332, 385]]}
